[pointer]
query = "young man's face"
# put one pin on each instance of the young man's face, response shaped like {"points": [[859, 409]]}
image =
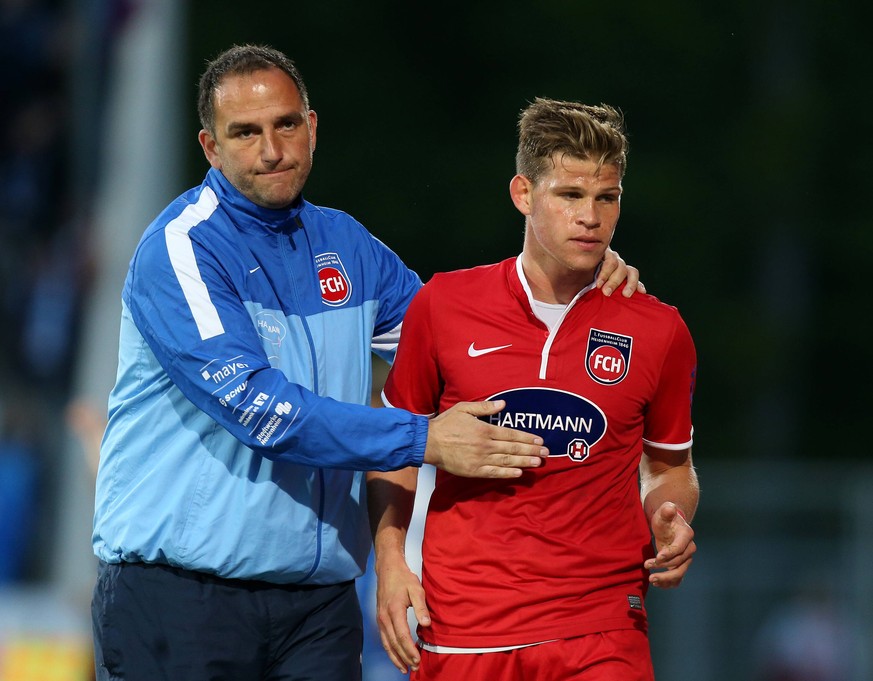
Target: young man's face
{"points": [[264, 137], [571, 213]]}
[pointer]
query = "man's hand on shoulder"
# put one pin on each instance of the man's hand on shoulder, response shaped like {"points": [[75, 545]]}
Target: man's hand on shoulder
{"points": [[614, 271]]}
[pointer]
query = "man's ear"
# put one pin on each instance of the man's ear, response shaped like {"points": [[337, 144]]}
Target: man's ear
{"points": [[208, 143], [520, 191], [313, 124]]}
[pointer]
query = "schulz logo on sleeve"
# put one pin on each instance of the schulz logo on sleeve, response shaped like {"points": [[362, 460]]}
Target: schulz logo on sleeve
{"points": [[336, 289], [608, 356]]}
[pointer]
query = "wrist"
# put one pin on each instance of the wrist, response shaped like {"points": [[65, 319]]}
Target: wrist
{"points": [[389, 559]]}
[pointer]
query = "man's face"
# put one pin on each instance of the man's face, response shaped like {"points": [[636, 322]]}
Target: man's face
{"points": [[264, 137], [571, 214]]}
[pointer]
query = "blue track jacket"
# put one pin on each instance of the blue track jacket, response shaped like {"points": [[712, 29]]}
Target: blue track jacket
{"points": [[236, 424]]}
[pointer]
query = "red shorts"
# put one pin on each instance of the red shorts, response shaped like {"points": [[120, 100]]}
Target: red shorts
{"points": [[620, 655]]}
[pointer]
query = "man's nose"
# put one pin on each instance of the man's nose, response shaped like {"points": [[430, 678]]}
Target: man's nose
{"points": [[271, 149], [586, 213]]}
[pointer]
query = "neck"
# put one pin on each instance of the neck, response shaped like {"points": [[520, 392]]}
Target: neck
{"points": [[551, 285]]}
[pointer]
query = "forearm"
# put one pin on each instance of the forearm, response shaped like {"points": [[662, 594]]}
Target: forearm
{"points": [[390, 500], [669, 477]]}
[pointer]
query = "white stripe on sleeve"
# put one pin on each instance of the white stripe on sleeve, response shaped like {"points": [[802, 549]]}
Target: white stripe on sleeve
{"points": [[387, 342], [185, 264]]}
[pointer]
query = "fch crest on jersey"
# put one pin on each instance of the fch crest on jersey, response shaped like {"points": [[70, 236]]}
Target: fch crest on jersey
{"points": [[568, 423], [608, 356], [336, 289]]}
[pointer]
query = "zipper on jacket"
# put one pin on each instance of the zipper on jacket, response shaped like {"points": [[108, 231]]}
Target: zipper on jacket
{"points": [[319, 528]]}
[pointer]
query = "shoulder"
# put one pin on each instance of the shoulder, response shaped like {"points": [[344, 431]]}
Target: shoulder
{"points": [[339, 225], [190, 219], [332, 216], [195, 208], [644, 304], [481, 279], [645, 316]]}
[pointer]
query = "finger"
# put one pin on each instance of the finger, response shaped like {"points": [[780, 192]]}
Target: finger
{"points": [[514, 442], [484, 408], [401, 646], [394, 631], [672, 564], [668, 560], [389, 650], [614, 278], [676, 551], [611, 263], [633, 282], [668, 564], [401, 637], [530, 458], [419, 607], [515, 461], [406, 649], [497, 473], [669, 579], [680, 548], [504, 434], [505, 465]]}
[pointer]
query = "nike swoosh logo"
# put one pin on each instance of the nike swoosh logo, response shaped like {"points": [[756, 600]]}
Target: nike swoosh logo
{"points": [[255, 270], [473, 352]]}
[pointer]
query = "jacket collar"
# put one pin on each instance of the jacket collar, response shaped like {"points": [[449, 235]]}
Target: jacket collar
{"points": [[249, 216]]}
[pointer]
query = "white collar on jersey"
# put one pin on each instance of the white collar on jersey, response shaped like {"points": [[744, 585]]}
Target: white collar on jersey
{"points": [[549, 313]]}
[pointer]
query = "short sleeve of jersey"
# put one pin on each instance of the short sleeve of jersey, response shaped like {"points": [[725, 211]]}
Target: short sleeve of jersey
{"points": [[414, 382], [668, 418]]}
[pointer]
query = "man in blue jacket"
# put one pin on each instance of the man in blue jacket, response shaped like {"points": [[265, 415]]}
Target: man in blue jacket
{"points": [[230, 512]]}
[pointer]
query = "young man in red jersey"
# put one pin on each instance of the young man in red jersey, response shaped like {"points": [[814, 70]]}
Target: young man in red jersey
{"points": [[544, 576]]}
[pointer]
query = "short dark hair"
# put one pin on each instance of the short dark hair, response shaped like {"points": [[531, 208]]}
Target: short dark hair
{"points": [[241, 60], [549, 126]]}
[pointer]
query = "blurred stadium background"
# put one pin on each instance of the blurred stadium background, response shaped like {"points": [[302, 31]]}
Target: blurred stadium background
{"points": [[745, 206]]}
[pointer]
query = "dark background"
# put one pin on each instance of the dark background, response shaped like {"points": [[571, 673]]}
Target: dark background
{"points": [[745, 202], [745, 205]]}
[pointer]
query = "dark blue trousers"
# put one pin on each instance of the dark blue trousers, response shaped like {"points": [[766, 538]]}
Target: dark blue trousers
{"points": [[154, 622]]}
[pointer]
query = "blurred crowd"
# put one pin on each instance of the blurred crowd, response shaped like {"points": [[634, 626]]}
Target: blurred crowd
{"points": [[44, 267]]}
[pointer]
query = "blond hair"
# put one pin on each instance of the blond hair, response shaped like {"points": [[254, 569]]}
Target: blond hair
{"points": [[589, 133]]}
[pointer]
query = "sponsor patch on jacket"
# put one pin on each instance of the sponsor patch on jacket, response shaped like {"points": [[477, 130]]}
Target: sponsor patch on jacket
{"points": [[336, 289], [568, 423], [608, 356], [273, 331]]}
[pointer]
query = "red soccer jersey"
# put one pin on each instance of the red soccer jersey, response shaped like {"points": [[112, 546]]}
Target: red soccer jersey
{"points": [[559, 551]]}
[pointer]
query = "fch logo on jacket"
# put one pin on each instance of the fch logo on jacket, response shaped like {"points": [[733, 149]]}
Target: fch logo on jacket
{"points": [[336, 289]]}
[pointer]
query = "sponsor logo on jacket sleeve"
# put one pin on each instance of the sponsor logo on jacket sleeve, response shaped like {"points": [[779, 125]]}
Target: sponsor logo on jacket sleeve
{"points": [[220, 372]]}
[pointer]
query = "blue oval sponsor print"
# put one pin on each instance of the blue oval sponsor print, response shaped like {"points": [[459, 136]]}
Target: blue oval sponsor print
{"points": [[568, 423]]}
